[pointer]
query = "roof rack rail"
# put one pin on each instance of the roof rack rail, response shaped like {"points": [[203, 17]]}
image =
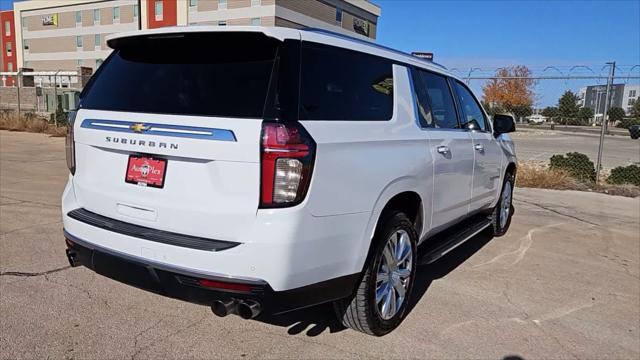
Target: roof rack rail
{"points": [[370, 43]]}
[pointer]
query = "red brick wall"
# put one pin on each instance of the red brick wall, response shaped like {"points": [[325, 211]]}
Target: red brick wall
{"points": [[169, 13], [4, 39]]}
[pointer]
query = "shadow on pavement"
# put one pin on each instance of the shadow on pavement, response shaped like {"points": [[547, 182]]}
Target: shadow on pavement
{"points": [[317, 319]]}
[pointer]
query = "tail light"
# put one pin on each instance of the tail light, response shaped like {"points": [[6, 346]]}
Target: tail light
{"points": [[287, 155], [70, 146]]}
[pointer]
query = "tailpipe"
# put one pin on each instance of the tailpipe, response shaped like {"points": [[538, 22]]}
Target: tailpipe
{"points": [[248, 309], [72, 256], [223, 308]]}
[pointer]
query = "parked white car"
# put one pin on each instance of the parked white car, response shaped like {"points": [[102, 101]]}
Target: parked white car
{"points": [[279, 169], [537, 119]]}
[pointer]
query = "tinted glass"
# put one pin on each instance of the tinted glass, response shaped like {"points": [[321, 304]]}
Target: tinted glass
{"points": [[177, 75], [340, 84], [473, 116], [443, 109], [422, 100]]}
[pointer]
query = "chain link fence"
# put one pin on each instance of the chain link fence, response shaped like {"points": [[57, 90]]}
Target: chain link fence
{"points": [[551, 129], [45, 94]]}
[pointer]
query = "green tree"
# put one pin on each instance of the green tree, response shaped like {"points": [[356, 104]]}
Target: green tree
{"points": [[550, 112], [520, 111], [584, 115], [635, 109], [568, 106], [616, 114]]}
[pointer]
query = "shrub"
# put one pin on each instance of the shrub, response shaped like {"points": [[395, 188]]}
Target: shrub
{"points": [[625, 175], [577, 121], [628, 122], [60, 117], [539, 176], [577, 165]]}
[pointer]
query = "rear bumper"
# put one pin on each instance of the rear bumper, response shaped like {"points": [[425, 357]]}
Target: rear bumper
{"points": [[183, 284], [286, 248]]}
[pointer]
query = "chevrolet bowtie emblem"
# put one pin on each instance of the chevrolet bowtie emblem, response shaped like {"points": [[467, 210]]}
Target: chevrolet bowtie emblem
{"points": [[139, 127]]}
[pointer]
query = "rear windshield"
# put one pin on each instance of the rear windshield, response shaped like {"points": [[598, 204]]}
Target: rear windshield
{"points": [[209, 74]]}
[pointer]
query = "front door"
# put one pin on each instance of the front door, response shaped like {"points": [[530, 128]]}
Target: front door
{"points": [[486, 169]]}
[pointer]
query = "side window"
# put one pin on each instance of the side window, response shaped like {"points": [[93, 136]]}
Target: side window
{"points": [[422, 100], [340, 84], [473, 117], [443, 109]]}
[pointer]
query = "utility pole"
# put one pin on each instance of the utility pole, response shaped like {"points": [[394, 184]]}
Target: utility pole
{"points": [[603, 127]]}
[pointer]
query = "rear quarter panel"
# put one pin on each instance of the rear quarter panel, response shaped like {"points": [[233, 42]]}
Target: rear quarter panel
{"points": [[360, 165]]}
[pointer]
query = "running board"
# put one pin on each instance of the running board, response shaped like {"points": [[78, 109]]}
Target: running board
{"points": [[448, 240]]}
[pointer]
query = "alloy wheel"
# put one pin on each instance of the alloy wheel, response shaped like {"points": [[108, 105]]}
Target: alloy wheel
{"points": [[393, 275]]}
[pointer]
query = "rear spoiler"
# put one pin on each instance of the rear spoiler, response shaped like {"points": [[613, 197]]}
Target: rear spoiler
{"points": [[278, 33]]}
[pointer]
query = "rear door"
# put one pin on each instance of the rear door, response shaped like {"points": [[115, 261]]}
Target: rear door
{"points": [[450, 147], [168, 132], [488, 153]]}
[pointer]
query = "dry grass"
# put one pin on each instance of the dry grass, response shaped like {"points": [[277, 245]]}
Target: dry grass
{"points": [[538, 175], [619, 190], [32, 123]]}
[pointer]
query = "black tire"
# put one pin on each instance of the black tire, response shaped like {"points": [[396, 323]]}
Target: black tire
{"points": [[496, 217], [359, 311]]}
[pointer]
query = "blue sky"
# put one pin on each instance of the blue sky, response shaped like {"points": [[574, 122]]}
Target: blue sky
{"points": [[492, 34]]}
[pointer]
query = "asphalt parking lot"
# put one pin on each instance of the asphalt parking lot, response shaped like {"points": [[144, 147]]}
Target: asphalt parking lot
{"points": [[539, 145], [563, 283]]}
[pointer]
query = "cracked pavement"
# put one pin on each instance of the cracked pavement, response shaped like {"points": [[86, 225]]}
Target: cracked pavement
{"points": [[563, 283]]}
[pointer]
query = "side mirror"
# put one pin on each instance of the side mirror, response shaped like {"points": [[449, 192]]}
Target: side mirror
{"points": [[503, 124]]}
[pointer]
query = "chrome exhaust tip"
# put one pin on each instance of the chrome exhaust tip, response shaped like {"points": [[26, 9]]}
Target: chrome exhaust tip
{"points": [[248, 309], [223, 308]]}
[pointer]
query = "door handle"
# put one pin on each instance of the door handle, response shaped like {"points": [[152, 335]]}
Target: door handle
{"points": [[442, 149], [479, 147]]}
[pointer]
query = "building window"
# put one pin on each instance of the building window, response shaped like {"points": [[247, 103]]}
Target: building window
{"points": [[632, 93], [25, 44], [78, 41], [26, 64], [255, 21], [135, 10], [158, 10], [339, 16], [10, 67], [116, 14], [222, 4], [97, 40], [256, 2], [222, 23], [96, 15], [79, 62], [24, 23], [7, 28], [78, 17], [99, 62], [9, 51], [193, 3]]}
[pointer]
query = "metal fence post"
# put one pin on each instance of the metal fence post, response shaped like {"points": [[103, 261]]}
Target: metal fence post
{"points": [[603, 126], [18, 77], [55, 98]]}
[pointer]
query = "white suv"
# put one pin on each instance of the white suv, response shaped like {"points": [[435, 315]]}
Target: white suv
{"points": [[260, 170]]}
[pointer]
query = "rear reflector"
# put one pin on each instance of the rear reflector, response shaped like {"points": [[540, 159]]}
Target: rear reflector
{"points": [[287, 155], [212, 284]]}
